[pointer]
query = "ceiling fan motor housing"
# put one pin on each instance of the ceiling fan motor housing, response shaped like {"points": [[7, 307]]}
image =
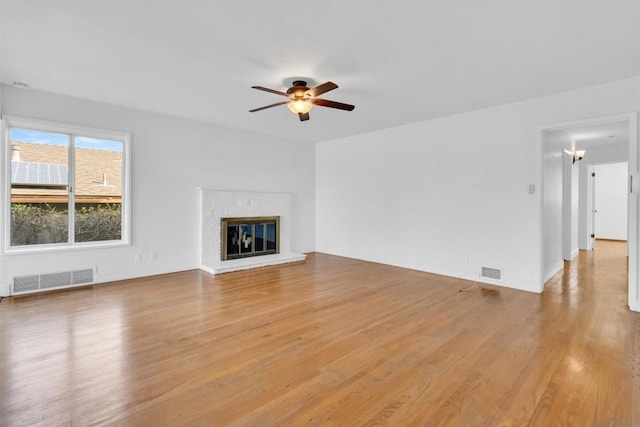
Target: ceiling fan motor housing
{"points": [[298, 89]]}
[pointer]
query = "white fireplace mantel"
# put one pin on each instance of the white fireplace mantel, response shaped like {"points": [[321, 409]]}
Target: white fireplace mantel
{"points": [[217, 204]]}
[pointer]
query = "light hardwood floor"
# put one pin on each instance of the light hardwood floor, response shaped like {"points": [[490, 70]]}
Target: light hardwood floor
{"points": [[332, 341]]}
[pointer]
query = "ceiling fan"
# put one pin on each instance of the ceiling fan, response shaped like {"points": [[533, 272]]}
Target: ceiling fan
{"points": [[302, 98]]}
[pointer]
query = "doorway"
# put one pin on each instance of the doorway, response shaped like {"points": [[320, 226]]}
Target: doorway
{"points": [[569, 200], [608, 203]]}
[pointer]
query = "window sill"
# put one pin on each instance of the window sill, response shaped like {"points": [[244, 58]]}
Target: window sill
{"points": [[40, 249]]}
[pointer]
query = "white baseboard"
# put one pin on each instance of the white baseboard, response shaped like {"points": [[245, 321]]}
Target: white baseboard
{"points": [[509, 283]]}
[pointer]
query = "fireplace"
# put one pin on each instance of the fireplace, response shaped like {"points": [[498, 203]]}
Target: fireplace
{"points": [[249, 237], [217, 208]]}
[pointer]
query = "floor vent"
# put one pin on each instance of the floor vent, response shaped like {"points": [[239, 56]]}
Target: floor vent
{"points": [[491, 273], [31, 283]]}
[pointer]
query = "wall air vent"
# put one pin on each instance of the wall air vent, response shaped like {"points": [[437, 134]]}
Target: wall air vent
{"points": [[55, 280], [26, 284], [491, 273], [65, 279], [81, 277]]}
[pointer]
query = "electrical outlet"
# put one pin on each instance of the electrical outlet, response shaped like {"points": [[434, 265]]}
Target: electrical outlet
{"points": [[154, 256], [137, 258]]}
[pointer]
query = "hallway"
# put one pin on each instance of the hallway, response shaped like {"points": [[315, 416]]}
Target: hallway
{"points": [[592, 290], [601, 273]]}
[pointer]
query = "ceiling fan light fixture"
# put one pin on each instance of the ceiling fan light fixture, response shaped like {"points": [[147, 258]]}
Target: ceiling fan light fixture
{"points": [[299, 107]]}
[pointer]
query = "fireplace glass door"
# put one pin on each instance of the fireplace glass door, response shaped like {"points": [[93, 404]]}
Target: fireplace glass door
{"points": [[247, 237]]}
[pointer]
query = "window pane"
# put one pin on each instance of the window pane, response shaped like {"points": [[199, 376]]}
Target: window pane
{"points": [[271, 236], [98, 190], [233, 237], [259, 237], [39, 187], [246, 238]]}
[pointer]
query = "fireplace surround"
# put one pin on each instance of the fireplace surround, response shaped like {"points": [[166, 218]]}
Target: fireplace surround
{"points": [[216, 205]]}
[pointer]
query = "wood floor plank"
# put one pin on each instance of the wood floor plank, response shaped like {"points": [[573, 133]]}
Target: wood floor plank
{"points": [[331, 341]]}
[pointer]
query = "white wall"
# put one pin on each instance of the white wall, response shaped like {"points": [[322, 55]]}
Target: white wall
{"points": [[170, 158], [450, 195], [611, 201], [609, 153], [554, 214], [569, 204], [575, 213]]}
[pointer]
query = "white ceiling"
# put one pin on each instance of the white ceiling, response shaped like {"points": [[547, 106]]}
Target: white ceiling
{"points": [[600, 134], [397, 61]]}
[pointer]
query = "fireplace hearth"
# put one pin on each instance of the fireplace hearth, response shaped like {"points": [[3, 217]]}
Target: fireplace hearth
{"points": [[249, 237]]}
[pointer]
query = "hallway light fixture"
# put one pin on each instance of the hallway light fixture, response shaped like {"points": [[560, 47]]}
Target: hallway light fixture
{"points": [[578, 155]]}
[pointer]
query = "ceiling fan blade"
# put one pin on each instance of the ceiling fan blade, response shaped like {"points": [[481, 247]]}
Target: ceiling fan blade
{"points": [[320, 89], [331, 104], [269, 106], [266, 89], [303, 117]]}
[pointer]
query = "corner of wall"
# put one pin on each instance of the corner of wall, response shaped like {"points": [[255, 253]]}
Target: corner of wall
{"points": [[575, 253], [5, 289], [552, 272]]}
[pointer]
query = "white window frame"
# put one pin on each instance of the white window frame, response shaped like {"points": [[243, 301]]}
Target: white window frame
{"points": [[73, 131]]}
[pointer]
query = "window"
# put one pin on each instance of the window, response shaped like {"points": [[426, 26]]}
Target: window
{"points": [[67, 186]]}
